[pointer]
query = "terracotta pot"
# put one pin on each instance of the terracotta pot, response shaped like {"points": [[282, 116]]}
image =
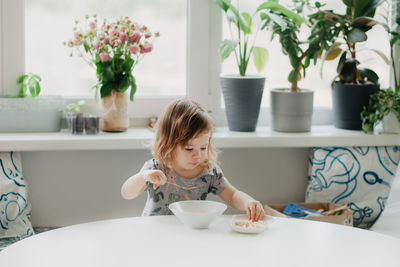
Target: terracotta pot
{"points": [[115, 112]]}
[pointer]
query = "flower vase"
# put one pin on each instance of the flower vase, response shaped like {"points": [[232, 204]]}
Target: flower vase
{"points": [[115, 112]]}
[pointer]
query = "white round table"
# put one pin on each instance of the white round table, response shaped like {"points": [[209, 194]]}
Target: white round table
{"points": [[164, 241]]}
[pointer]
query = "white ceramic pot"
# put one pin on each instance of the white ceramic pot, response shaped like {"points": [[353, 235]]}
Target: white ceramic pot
{"points": [[390, 123]]}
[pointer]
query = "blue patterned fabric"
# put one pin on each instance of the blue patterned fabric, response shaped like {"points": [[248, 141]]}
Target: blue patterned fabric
{"points": [[360, 177], [14, 205]]}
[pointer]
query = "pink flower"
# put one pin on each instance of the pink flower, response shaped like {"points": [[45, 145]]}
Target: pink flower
{"points": [[92, 25], [113, 33], [157, 34], [134, 49], [123, 36], [96, 45], [147, 35], [143, 28], [114, 40], [104, 57], [135, 37], [147, 48]]}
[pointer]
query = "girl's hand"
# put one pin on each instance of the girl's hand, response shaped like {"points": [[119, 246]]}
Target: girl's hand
{"points": [[156, 177], [255, 210]]}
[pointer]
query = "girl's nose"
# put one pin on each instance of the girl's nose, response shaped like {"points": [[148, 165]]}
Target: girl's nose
{"points": [[196, 154]]}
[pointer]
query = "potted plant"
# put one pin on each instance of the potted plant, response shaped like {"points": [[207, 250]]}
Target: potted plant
{"points": [[80, 122], [353, 84], [384, 106], [26, 111], [242, 92], [113, 49], [292, 108]]}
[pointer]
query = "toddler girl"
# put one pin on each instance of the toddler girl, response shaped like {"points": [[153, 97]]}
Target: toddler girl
{"points": [[184, 165]]}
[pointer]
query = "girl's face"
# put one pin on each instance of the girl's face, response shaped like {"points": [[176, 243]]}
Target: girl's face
{"points": [[190, 156]]}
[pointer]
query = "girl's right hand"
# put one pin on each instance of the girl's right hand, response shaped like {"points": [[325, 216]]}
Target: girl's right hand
{"points": [[156, 177]]}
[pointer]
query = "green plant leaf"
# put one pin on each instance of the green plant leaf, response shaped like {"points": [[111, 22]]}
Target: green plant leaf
{"points": [[226, 48], [394, 40], [342, 59], [369, 74], [34, 87], [356, 35], [366, 23], [292, 76], [22, 78], [278, 20], [369, 9], [358, 7], [86, 47], [107, 73], [242, 23], [133, 88], [347, 69], [246, 16], [222, 5], [22, 90], [124, 84], [334, 46], [272, 5], [260, 57], [105, 90]]}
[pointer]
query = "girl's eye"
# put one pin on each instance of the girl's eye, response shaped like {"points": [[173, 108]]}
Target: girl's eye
{"points": [[188, 149], [203, 148]]}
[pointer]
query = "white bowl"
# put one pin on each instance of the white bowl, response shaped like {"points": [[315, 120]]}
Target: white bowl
{"points": [[197, 213], [241, 224]]}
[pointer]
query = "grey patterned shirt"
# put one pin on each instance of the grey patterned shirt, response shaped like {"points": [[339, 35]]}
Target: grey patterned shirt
{"points": [[178, 188]]}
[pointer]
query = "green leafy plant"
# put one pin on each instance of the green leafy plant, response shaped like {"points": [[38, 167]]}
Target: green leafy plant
{"points": [[75, 107], [380, 105], [286, 24], [113, 49], [385, 100], [29, 85], [239, 44], [350, 29]]}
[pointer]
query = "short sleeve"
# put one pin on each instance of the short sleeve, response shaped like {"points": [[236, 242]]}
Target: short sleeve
{"points": [[218, 181]]}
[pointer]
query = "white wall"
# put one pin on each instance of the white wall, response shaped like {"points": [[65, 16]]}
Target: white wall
{"points": [[69, 187]]}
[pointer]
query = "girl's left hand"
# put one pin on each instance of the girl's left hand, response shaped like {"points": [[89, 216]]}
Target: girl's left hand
{"points": [[255, 210]]}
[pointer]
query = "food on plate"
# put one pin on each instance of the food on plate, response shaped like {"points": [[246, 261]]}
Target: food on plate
{"points": [[250, 223]]}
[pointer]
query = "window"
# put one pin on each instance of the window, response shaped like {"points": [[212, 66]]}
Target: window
{"points": [[278, 65], [185, 60], [48, 24]]}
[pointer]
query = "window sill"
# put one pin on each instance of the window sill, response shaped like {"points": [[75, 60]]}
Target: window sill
{"points": [[137, 138]]}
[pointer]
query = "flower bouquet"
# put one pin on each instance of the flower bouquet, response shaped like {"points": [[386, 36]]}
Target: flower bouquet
{"points": [[113, 49]]}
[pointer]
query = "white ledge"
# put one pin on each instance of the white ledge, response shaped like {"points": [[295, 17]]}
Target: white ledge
{"points": [[138, 138]]}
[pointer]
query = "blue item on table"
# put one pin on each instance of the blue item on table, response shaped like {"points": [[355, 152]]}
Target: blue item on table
{"points": [[295, 210]]}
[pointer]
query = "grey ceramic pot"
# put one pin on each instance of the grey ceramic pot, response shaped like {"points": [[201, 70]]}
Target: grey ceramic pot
{"points": [[291, 111], [348, 102], [242, 96]]}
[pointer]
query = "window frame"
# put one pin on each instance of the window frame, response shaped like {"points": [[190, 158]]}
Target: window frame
{"points": [[12, 55], [204, 28]]}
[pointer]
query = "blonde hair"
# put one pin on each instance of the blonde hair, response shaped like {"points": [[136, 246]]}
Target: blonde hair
{"points": [[181, 120]]}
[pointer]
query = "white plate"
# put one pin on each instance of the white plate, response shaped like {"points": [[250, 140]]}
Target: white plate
{"points": [[241, 224]]}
